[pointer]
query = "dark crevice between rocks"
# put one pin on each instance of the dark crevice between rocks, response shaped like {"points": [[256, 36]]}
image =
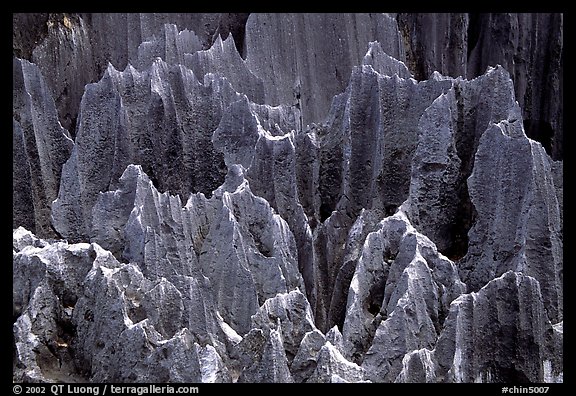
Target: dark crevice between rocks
{"points": [[262, 248], [325, 211], [137, 313], [376, 297], [69, 122], [58, 361], [509, 375], [28, 30], [541, 131], [466, 146], [414, 59], [466, 216], [337, 312], [235, 24], [474, 28], [331, 171]]}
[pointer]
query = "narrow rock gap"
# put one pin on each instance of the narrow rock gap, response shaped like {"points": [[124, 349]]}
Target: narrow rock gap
{"points": [[235, 24], [465, 214], [541, 131], [474, 29]]}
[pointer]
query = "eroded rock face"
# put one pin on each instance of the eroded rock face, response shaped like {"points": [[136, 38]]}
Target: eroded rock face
{"points": [[287, 198], [510, 40], [505, 318], [510, 312], [73, 50], [399, 295], [449, 135], [279, 50], [244, 249], [532, 215], [47, 284], [528, 45], [367, 145], [147, 115], [41, 147]]}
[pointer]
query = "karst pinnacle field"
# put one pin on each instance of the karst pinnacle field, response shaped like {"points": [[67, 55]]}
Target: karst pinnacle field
{"points": [[287, 198]]}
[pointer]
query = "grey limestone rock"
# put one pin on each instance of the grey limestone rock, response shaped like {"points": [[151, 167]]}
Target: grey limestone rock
{"points": [[66, 58], [170, 45], [151, 118], [384, 63], [132, 329], [40, 352], [305, 361], [21, 238], [289, 314], [63, 266], [435, 42], [507, 319], [48, 283], [307, 58], [23, 202], [245, 251], [237, 134], [177, 359], [331, 367], [82, 315], [449, 133], [41, 147], [499, 334], [530, 47], [266, 357], [287, 198], [274, 175], [223, 59], [366, 147], [73, 50], [259, 244], [418, 366], [365, 223], [400, 282], [519, 227]]}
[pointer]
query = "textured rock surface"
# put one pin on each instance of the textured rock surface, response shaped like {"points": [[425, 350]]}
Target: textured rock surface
{"points": [[306, 59], [365, 154], [41, 146], [72, 50], [449, 135], [504, 322], [529, 46], [518, 225], [48, 280], [147, 115], [287, 198], [399, 295]]}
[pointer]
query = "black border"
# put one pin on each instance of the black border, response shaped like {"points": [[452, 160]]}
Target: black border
{"points": [[370, 7]]}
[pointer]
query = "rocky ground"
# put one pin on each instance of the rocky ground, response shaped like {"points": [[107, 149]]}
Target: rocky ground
{"points": [[288, 198]]}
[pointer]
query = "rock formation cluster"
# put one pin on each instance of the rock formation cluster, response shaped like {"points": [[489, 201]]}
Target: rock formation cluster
{"points": [[287, 198]]}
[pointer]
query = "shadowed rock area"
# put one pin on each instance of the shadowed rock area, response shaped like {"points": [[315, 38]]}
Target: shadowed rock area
{"points": [[295, 198]]}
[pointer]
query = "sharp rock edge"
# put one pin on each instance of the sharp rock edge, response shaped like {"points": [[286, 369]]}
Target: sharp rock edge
{"points": [[283, 218]]}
